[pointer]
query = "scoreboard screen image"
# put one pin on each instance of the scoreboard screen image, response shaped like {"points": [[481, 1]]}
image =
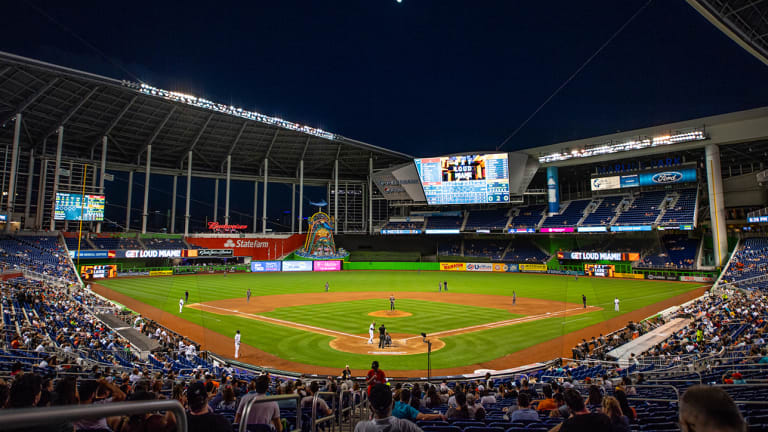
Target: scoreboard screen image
{"points": [[465, 179], [71, 207], [89, 272], [599, 270]]}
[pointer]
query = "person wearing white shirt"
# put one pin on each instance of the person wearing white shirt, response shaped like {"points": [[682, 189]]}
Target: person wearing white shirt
{"points": [[237, 344], [40, 348], [371, 328], [616, 304], [181, 304], [191, 351]]}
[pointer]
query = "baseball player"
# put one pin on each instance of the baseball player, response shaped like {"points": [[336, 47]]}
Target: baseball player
{"points": [[181, 304], [248, 296], [391, 302], [237, 344], [326, 287], [439, 287], [616, 304], [445, 285], [514, 297], [584, 300], [186, 296], [371, 328]]}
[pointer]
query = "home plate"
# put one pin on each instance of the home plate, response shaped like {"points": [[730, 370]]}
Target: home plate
{"points": [[387, 352]]}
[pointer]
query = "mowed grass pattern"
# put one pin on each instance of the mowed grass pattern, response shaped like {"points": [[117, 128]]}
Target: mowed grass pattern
{"points": [[352, 317], [460, 350]]}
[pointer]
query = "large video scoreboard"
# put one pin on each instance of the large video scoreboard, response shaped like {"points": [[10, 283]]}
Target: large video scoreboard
{"points": [[465, 179], [71, 206]]}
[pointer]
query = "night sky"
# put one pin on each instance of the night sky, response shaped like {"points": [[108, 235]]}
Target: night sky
{"points": [[422, 77]]}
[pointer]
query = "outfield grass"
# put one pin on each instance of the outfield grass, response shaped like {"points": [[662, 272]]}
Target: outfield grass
{"points": [[351, 317]]}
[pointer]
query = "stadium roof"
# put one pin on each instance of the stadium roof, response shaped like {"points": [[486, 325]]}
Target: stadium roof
{"points": [[134, 115], [728, 131], [744, 21]]}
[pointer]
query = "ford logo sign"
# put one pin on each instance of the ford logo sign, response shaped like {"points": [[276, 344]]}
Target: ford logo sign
{"points": [[667, 177]]}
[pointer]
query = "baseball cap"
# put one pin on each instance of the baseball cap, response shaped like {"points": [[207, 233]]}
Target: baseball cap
{"points": [[380, 397]]}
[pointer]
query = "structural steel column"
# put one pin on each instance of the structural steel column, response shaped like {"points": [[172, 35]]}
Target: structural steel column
{"points": [[370, 195], [293, 207], [28, 194], [255, 205], [716, 204], [226, 194], [145, 214], [103, 172], [336, 196], [41, 193], [301, 195], [264, 198], [189, 190], [56, 172], [173, 205], [14, 163], [216, 200], [129, 202]]}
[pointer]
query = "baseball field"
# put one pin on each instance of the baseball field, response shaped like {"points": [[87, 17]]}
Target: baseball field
{"points": [[291, 323]]}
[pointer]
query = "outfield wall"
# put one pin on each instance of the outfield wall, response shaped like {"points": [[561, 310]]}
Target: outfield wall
{"points": [[391, 266]]}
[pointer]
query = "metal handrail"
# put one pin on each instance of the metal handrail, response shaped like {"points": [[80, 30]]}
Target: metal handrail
{"points": [[342, 409], [28, 417], [677, 392], [316, 420], [253, 401]]}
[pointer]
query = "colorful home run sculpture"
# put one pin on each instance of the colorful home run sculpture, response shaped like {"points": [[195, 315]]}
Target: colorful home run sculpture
{"points": [[319, 242]]}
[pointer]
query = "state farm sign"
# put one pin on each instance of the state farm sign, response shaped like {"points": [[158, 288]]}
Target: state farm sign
{"points": [[260, 248]]}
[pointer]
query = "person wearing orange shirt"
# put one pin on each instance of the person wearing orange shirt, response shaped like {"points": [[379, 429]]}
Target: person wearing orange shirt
{"points": [[548, 403]]}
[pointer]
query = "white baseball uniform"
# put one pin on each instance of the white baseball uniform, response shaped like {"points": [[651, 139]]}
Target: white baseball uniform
{"points": [[181, 305], [370, 333], [616, 304], [237, 344]]}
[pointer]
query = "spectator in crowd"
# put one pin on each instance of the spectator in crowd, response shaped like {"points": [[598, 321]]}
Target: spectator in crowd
{"points": [[548, 403], [581, 418], [594, 399], [380, 402], [405, 411], [321, 407], [524, 411], [709, 409], [461, 410], [625, 408], [611, 408], [267, 413], [96, 393], [199, 417]]}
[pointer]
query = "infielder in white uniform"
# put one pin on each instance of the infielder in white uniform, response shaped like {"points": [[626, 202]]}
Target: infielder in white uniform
{"points": [[237, 344], [181, 305], [370, 332], [616, 304]]}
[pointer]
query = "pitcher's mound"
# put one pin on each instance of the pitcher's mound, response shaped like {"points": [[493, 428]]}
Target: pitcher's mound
{"points": [[390, 314]]}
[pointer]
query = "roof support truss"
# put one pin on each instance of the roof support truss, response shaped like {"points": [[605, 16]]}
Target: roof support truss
{"points": [[27, 102]]}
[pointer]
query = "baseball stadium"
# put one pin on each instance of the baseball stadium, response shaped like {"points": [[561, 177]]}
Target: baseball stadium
{"points": [[154, 237]]}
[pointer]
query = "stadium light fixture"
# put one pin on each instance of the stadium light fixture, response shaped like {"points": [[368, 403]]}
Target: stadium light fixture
{"points": [[610, 147], [226, 109]]}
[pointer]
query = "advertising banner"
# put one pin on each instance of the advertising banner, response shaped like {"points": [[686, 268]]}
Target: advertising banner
{"points": [[260, 248], [161, 273], [630, 181], [509, 268], [605, 183], [557, 230], [629, 275], [592, 229], [401, 231], [687, 175], [696, 279], [599, 256], [521, 230], [623, 228], [210, 252], [479, 267], [453, 266], [132, 273], [532, 267], [265, 266], [331, 265], [661, 277], [297, 266], [92, 254], [553, 190], [442, 231], [89, 272], [566, 272], [154, 253]]}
